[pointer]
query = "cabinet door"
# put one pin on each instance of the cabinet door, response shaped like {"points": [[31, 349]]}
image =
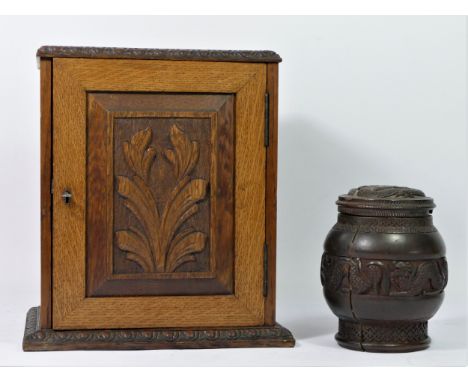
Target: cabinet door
{"points": [[164, 165]]}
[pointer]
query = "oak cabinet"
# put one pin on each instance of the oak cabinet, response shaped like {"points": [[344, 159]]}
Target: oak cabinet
{"points": [[158, 200]]}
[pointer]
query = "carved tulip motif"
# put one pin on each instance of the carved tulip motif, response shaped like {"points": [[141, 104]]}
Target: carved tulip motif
{"points": [[160, 245]]}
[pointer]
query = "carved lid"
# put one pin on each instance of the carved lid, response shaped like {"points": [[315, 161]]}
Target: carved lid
{"points": [[385, 201], [158, 54]]}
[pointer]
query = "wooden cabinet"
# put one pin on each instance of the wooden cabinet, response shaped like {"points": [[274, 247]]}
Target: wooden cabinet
{"points": [[158, 200]]}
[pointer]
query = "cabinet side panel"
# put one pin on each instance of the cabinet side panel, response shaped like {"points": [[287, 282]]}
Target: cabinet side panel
{"points": [[270, 194], [46, 171]]}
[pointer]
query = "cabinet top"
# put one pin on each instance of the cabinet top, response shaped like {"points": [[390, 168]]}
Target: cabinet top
{"points": [[158, 54]]}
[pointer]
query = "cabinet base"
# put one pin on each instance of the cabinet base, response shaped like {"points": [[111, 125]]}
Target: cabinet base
{"points": [[36, 339]]}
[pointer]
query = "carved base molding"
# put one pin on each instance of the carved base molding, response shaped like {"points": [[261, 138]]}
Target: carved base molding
{"points": [[36, 339], [383, 337]]}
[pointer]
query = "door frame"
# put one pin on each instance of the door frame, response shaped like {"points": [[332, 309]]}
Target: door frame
{"points": [[72, 79]]}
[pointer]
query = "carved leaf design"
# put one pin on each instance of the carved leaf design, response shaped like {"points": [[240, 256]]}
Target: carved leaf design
{"points": [[180, 208], [185, 153], [161, 247], [138, 155], [135, 244], [139, 200], [181, 251]]}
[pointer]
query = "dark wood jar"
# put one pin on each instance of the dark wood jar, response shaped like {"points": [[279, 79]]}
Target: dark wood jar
{"points": [[383, 269]]}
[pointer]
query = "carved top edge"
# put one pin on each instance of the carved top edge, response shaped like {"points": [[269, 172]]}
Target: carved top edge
{"points": [[158, 54]]}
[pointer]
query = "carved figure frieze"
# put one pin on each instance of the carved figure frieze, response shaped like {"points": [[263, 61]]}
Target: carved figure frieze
{"points": [[383, 277]]}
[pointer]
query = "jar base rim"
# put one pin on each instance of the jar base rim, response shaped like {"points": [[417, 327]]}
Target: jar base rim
{"points": [[383, 336]]}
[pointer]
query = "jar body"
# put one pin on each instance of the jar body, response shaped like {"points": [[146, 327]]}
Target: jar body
{"points": [[384, 278]]}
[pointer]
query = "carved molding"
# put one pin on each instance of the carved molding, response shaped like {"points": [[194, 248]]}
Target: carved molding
{"points": [[349, 223], [383, 277], [159, 54], [159, 245], [47, 339]]}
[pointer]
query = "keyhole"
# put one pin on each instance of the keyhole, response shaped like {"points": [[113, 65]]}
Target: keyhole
{"points": [[66, 196]]}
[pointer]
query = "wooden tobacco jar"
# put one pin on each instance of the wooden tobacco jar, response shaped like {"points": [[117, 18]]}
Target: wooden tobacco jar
{"points": [[158, 200], [383, 269]]}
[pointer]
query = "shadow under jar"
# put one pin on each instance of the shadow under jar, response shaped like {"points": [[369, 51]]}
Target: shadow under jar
{"points": [[383, 269]]}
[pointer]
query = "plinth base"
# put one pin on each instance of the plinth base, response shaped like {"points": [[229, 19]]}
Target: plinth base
{"points": [[383, 336], [36, 339]]}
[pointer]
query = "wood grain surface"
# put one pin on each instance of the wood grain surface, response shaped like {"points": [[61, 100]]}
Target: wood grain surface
{"points": [[270, 195], [46, 193]]}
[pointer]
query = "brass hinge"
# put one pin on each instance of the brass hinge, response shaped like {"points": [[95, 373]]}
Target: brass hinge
{"points": [[265, 269], [267, 120]]}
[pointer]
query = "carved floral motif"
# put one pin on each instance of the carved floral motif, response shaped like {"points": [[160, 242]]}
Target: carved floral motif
{"points": [[160, 246]]}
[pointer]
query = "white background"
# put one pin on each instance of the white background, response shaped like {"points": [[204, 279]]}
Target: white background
{"points": [[363, 100]]}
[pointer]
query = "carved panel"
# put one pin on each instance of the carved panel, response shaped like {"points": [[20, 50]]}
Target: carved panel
{"points": [[161, 208], [383, 277]]}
